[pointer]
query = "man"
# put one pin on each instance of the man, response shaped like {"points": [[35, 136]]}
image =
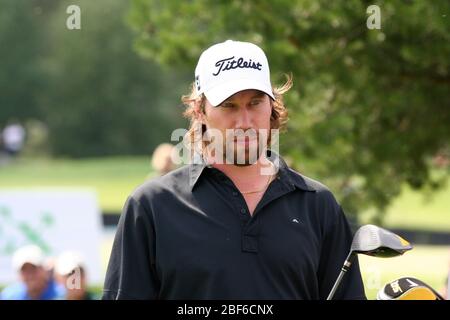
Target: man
{"points": [[70, 271], [239, 223], [36, 282], [13, 138]]}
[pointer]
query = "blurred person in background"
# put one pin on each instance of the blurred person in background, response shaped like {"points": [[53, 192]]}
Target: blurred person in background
{"points": [[13, 137], [162, 161], [70, 271], [35, 281]]}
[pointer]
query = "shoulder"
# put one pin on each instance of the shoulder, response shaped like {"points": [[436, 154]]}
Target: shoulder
{"points": [[58, 291], [317, 189], [155, 195], [174, 183], [16, 291], [176, 178]]}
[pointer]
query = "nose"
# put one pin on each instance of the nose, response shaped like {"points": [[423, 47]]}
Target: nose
{"points": [[244, 119]]}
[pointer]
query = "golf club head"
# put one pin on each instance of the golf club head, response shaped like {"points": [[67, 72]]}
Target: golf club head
{"points": [[408, 288], [373, 241], [378, 242]]}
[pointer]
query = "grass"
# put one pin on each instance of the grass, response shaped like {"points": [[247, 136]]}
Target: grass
{"points": [[415, 210], [115, 177], [112, 178], [418, 210]]}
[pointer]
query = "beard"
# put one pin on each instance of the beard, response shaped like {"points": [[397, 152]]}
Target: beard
{"points": [[244, 153], [242, 149]]}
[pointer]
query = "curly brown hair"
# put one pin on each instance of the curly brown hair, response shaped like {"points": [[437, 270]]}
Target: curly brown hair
{"points": [[196, 104]]}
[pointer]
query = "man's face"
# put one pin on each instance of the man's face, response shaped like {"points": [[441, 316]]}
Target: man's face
{"points": [[34, 277], [242, 120]]}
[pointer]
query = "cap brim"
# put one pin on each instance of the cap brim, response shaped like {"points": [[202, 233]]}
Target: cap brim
{"points": [[225, 90], [19, 265], [67, 269]]}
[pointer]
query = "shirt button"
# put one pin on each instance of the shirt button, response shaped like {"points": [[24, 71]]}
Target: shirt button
{"points": [[243, 210], [235, 193]]}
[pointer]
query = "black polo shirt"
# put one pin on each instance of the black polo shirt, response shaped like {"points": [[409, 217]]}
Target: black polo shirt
{"points": [[189, 235]]}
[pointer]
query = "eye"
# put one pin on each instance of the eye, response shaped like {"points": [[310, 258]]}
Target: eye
{"points": [[255, 102], [227, 104]]}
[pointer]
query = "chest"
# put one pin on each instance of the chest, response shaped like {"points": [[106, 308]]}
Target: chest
{"points": [[213, 240], [252, 201]]}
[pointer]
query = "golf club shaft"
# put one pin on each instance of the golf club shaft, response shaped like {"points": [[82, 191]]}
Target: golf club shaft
{"points": [[345, 268], [448, 286]]}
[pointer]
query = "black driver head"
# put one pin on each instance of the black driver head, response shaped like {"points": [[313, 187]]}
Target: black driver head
{"points": [[375, 241]]}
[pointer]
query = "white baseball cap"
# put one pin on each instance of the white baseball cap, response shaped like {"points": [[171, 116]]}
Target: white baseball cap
{"points": [[28, 254], [68, 261], [229, 67]]}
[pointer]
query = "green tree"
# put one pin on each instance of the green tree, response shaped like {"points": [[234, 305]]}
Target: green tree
{"points": [[19, 54], [368, 109], [101, 97]]}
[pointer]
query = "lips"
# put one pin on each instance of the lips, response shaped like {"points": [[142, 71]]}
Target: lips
{"points": [[245, 139]]}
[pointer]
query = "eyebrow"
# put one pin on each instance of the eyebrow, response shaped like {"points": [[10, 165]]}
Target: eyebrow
{"points": [[259, 94]]}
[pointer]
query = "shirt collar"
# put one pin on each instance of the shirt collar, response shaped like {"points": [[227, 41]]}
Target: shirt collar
{"points": [[286, 174]]}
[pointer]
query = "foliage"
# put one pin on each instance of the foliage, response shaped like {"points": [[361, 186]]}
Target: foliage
{"points": [[369, 108]]}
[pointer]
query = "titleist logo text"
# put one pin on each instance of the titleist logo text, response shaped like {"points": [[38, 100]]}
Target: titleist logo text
{"points": [[231, 63]]}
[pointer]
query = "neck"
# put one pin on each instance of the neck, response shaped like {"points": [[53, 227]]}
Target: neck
{"points": [[248, 177], [37, 293]]}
